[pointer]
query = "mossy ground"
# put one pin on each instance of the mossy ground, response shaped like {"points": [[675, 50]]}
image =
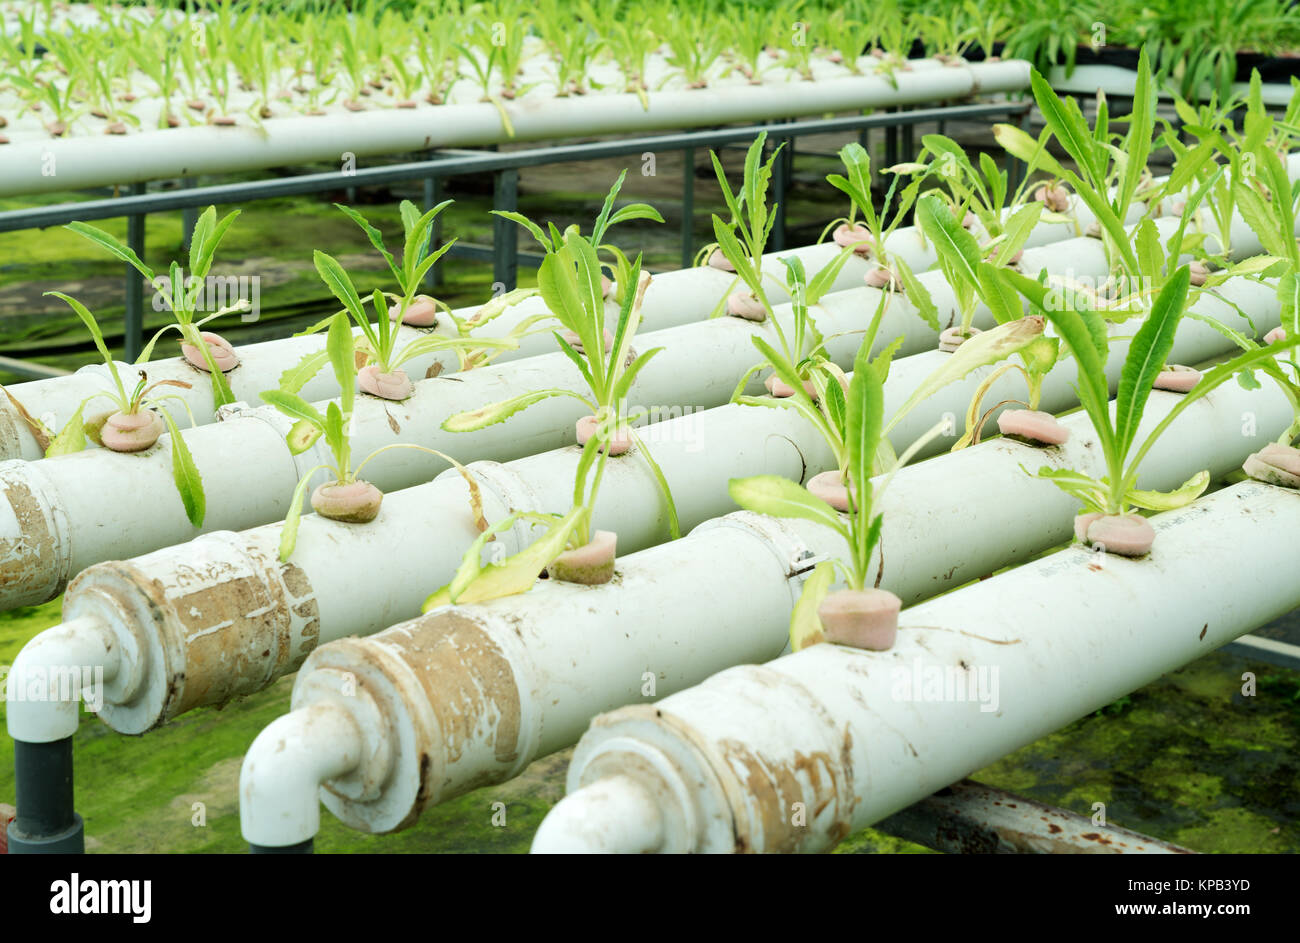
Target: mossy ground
{"points": [[1187, 759]]}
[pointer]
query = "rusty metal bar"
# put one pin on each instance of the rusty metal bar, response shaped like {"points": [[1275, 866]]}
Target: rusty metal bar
{"points": [[971, 818]]}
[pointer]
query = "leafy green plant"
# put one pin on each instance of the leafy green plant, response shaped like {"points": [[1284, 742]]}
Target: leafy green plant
{"points": [[619, 268], [334, 425], [743, 239], [570, 284], [1109, 172], [1084, 333], [381, 338], [72, 438], [1005, 217], [960, 259], [181, 295], [857, 187], [859, 416]]}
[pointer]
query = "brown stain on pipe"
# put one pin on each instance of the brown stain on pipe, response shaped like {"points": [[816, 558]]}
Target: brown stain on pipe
{"points": [[469, 684], [28, 564]]}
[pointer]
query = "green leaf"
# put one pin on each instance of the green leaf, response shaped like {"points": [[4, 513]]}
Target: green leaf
{"points": [[516, 574], [1182, 496], [984, 349], [1146, 357], [340, 285], [958, 251], [294, 406], [635, 211], [1000, 294], [528, 224], [289, 531], [805, 625], [71, 438], [297, 376], [1068, 126], [1087, 490], [780, 497], [92, 326], [201, 262], [1024, 148], [189, 484], [111, 245], [475, 419], [376, 239], [865, 407], [341, 351], [302, 436], [917, 294]]}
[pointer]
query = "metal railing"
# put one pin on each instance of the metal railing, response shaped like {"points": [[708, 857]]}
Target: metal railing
{"points": [[504, 166]]}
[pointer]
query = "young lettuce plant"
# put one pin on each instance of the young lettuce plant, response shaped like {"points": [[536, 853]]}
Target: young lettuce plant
{"points": [[381, 359], [869, 237], [346, 497], [861, 615], [620, 268], [961, 259], [982, 192], [135, 424], [569, 283], [1109, 173], [1107, 521], [741, 242], [183, 296]]}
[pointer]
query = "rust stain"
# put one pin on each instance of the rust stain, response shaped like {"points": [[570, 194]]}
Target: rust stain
{"points": [[225, 625], [469, 684], [1054, 829], [28, 564], [775, 787], [1205, 628]]}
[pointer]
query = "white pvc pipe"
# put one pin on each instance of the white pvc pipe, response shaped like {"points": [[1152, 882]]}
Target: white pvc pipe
{"points": [[847, 737], [221, 617], [673, 298], [60, 524], [47, 679], [1118, 81], [283, 770], [946, 521], [190, 605], [186, 152]]}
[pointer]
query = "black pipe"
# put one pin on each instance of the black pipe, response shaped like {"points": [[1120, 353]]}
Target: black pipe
{"points": [[46, 823], [302, 848]]}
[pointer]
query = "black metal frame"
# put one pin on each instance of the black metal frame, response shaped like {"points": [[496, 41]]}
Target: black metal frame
{"points": [[505, 167]]}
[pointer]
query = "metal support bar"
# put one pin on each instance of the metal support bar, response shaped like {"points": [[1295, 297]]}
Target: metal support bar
{"points": [[26, 368], [1270, 651], [909, 143], [688, 206], [891, 141], [133, 340], [432, 194], [970, 818], [189, 215], [505, 238], [780, 187]]}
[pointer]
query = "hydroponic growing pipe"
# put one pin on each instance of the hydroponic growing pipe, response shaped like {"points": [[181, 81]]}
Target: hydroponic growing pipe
{"points": [[84, 162], [850, 737], [673, 298], [58, 522], [481, 691]]}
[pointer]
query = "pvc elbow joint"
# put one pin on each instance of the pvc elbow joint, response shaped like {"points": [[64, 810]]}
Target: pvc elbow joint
{"points": [[280, 780], [53, 672]]}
